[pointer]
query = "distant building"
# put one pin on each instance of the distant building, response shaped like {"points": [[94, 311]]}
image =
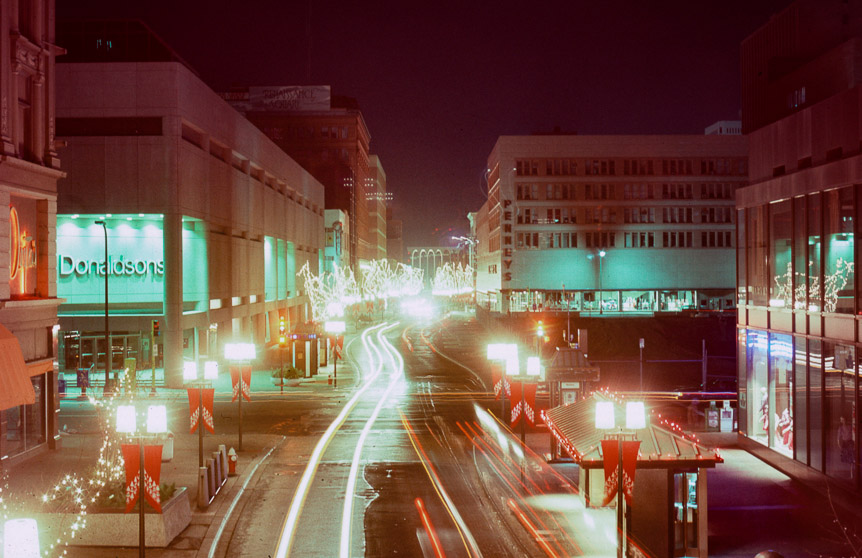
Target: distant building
{"points": [[207, 220], [29, 170], [799, 293], [337, 252], [394, 238], [429, 258], [609, 224], [376, 197], [724, 128], [328, 136]]}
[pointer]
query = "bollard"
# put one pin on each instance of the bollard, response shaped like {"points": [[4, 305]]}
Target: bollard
{"points": [[231, 462], [223, 457], [203, 493], [219, 472], [211, 478]]}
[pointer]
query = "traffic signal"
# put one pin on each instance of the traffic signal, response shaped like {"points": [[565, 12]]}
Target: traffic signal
{"points": [[540, 332], [155, 328], [282, 338]]}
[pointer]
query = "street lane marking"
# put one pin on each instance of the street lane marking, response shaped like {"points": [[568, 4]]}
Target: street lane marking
{"points": [[290, 522]]}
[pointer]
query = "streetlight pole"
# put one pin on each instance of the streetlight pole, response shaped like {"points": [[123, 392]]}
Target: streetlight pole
{"points": [[601, 298], [641, 348], [108, 350]]}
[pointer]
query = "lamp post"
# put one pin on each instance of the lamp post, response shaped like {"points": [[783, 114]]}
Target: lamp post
{"points": [[108, 350], [191, 374], [338, 328], [635, 420], [157, 423], [641, 346], [240, 353], [601, 257], [568, 323]]}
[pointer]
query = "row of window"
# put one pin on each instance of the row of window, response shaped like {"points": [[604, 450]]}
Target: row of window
{"points": [[642, 167], [642, 191], [607, 239], [605, 214]]}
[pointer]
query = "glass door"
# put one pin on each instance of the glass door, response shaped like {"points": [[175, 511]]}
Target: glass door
{"points": [[685, 520]]}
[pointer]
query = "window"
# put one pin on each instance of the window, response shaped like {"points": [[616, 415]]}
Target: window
{"points": [[715, 239], [677, 239], [640, 240], [599, 239], [527, 168]]}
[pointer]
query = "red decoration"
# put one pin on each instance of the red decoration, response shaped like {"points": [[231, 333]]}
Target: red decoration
{"points": [[530, 402], [517, 403], [501, 382], [240, 375], [195, 407], [610, 451], [152, 473]]}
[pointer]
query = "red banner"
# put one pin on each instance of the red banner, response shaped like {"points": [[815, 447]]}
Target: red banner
{"points": [[195, 408], [610, 451], [501, 382], [517, 403], [630, 464], [530, 402], [240, 375], [132, 458], [152, 472]]}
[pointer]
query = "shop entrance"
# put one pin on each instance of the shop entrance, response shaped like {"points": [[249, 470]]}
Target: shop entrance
{"points": [[84, 350]]}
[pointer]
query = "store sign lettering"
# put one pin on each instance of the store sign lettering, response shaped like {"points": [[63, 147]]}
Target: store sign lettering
{"points": [[22, 248], [85, 267]]}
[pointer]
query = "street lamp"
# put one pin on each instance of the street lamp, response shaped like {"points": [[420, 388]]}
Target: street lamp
{"points": [[240, 353], [338, 328], [193, 380], [635, 420], [108, 350], [157, 423]]}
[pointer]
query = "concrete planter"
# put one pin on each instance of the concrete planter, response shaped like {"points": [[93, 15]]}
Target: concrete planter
{"points": [[115, 528]]}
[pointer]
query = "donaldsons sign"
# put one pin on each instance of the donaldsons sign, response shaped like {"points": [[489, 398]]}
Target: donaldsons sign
{"points": [[116, 266]]}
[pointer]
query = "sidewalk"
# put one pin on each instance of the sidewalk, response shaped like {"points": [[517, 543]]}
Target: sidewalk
{"points": [[31, 478]]}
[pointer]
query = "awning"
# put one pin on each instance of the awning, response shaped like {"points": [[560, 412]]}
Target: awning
{"points": [[15, 385], [661, 448]]}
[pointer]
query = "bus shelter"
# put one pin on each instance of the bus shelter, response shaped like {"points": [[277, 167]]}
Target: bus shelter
{"points": [[668, 516]]}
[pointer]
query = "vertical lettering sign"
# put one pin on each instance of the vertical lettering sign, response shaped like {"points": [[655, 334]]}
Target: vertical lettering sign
{"points": [[22, 253], [507, 241]]}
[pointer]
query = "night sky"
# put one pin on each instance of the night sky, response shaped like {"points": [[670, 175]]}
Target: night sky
{"points": [[438, 82]]}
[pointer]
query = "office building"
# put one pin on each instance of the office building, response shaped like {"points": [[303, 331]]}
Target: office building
{"points": [[611, 225]]}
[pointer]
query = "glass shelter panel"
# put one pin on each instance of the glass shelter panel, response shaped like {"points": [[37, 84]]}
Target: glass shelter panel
{"points": [[800, 255], [839, 401], [815, 392], [813, 265], [780, 401], [758, 282], [758, 386], [800, 400], [741, 247]]}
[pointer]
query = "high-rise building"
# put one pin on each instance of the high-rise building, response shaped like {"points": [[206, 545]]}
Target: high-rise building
{"points": [[204, 220], [376, 197], [609, 224], [29, 170], [328, 136], [394, 238], [798, 289]]}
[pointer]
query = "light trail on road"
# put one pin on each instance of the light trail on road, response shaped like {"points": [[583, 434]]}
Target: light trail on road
{"points": [[288, 530], [395, 377]]}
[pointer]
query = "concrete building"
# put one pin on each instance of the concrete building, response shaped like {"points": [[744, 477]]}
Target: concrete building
{"points": [[798, 291], [394, 238], [609, 224], [376, 198], [724, 127], [337, 252], [328, 137], [207, 220], [29, 170]]}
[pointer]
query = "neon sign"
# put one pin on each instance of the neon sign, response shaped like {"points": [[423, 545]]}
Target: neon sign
{"points": [[22, 249]]}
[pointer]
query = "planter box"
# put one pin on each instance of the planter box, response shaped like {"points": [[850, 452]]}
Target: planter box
{"points": [[275, 381], [115, 528]]}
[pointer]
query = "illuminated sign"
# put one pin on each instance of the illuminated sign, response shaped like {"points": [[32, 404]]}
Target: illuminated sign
{"points": [[116, 266], [22, 249]]}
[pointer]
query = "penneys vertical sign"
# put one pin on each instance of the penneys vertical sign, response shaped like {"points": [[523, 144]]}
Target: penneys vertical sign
{"points": [[507, 241]]}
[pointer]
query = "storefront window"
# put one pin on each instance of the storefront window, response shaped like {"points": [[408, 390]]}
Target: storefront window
{"points": [[638, 301], [741, 248], [25, 424], [800, 255], [800, 400], [758, 386], [815, 391], [840, 406], [838, 256], [780, 264], [758, 282], [814, 223], [780, 384]]}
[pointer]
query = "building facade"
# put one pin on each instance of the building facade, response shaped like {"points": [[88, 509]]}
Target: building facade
{"points": [[327, 135], [609, 224], [376, 198], [394, 238], [798, 290], [206, 220], [337, 251], [29, 170]]}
